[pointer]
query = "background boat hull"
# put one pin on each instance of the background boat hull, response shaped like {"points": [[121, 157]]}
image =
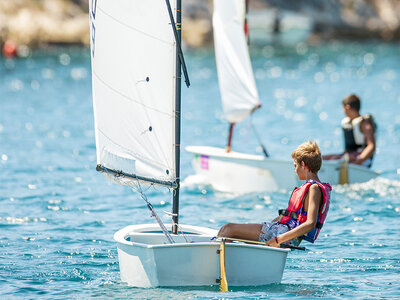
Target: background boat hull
{"points": [[245, 173]]}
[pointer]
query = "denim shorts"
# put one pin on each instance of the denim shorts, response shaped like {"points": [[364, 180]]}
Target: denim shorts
{"points": [[270, 230]]}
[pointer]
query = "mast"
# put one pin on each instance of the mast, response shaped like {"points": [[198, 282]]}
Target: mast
{"points": [[175, 199], [228, 146]]}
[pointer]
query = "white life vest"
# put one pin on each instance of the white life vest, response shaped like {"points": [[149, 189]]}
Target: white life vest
{"points": [[353, 137]]}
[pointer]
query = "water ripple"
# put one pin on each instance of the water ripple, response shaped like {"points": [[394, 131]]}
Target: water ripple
{"points": [[58, 216]]}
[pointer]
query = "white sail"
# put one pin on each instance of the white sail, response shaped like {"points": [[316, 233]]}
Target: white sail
{"points": [[235, 75], [133, 75]]}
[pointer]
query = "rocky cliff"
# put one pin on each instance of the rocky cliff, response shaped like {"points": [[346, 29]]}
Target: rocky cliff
{"points": [[34, 23], [348, 18], [41, 22]]}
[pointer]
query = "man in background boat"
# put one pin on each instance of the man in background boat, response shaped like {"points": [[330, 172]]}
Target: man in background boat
{"points": [[305, 214], [359, 134]]}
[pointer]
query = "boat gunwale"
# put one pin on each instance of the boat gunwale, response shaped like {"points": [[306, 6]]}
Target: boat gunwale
{"points": [[208, 150], [202, 244], [120, 237]]}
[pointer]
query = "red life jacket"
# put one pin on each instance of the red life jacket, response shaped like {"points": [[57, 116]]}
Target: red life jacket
{"points": [[294, 215]]}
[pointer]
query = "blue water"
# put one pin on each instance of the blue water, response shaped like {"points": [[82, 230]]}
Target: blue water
{"points": [[58, 215]]}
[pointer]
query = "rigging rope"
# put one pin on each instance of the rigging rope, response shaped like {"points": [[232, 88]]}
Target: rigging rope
{"points": [[153, 214], [264, 150]]}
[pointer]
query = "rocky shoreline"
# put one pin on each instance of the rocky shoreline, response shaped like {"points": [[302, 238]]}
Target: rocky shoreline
{"points": [[37, 23]]}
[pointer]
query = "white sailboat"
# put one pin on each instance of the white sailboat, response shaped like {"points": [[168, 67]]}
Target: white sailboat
{"points": [[136, 76], [228, 171]]}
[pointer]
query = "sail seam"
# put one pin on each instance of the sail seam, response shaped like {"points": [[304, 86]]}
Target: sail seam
{"points": [[133, 153], [129, 98], [132, 28]]}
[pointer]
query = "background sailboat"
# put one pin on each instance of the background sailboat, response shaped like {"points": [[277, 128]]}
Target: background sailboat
{"points": [[228, 171], [136, 72]]}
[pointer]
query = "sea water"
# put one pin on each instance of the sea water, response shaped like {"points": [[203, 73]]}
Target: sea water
{"points": [[58, 215]]}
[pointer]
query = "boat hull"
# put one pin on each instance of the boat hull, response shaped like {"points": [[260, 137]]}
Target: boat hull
{"points": [[330, 172], [147, 260], [245, 173], [241, 173]]}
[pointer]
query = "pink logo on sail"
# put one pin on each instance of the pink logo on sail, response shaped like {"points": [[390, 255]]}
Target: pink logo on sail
{"points": [[204, 162]]}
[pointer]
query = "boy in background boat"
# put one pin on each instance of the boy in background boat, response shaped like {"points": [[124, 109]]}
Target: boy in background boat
{"points": [[359, 134], [305, 214]]}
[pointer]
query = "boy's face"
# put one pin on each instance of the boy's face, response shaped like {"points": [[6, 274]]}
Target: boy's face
{"points": [[300, 169], [346, 110]]}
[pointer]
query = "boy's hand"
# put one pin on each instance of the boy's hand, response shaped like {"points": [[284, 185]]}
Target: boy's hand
{"points": [[354, 158], [272, 243]]}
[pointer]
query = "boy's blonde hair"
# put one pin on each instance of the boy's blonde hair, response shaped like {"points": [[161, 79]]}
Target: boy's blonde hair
{"points": [[309, 153]]}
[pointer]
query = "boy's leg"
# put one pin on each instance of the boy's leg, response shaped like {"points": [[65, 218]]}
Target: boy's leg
{"points": [[241, 231]]}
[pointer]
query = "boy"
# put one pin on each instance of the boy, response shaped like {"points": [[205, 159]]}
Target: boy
{"points": [[359, 134], [305, 214]]}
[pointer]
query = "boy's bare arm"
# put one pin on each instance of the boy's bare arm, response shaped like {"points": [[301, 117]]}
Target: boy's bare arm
{"points": [[368, 131]]}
